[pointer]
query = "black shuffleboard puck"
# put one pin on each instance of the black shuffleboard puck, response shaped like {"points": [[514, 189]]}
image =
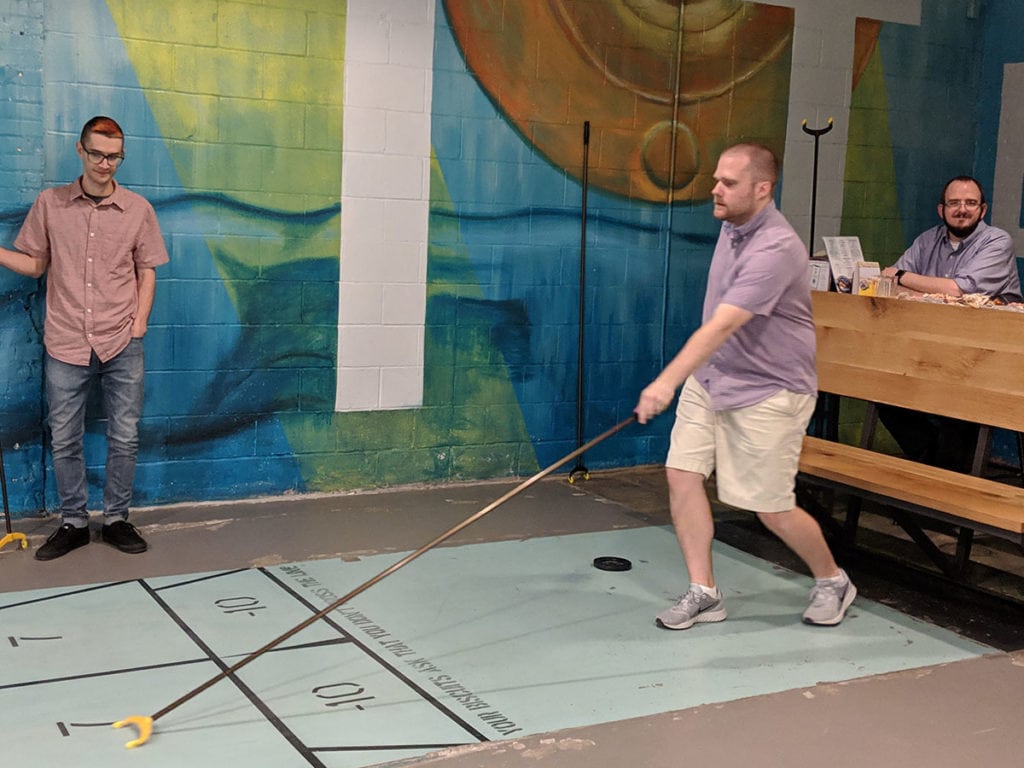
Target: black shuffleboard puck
{"points": [[609, 563]]}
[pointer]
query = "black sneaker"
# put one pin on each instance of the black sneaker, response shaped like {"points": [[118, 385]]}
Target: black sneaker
{"points": [[62, 541], [123, 535]]}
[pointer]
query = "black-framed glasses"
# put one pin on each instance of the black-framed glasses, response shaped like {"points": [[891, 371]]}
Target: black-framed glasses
{"points": [[98, 157]]}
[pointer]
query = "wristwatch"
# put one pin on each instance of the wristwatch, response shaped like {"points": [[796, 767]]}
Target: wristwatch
{"points": [[899, 276]]}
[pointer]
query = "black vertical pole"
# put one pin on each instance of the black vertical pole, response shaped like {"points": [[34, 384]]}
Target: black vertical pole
{"points": [[825, 422], [18, 538], [580, 467], [817, 133], [3, 487]]}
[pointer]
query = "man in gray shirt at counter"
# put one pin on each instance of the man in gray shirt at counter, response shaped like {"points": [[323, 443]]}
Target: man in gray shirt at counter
{"points": [[963, 255], [749, 388]]}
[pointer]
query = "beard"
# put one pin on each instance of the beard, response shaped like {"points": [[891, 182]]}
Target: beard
{"points": [[962, 233]]}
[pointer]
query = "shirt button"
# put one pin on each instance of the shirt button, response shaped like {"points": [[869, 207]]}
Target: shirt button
{"points": [[92, 234]]}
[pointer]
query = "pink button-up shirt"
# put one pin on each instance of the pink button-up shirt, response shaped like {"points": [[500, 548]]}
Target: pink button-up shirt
{"points": [[92, 251]]}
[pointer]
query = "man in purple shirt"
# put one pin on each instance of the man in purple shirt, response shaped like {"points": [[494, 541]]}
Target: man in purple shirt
{"points": [[99, 245], [961, 255], [749, 389]]}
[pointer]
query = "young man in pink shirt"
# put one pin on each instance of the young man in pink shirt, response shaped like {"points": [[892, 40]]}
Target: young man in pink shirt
{"points": [[99, 244], [749, 387]]}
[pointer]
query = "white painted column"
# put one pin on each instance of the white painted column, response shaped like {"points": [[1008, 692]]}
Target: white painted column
{"points": [[1006, 204], [820, 87], [385, 203]]}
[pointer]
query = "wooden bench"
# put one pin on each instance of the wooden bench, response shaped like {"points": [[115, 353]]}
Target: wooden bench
{"points": [[956, 361]]}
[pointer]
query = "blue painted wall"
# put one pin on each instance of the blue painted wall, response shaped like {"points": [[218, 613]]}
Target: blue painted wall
{"points": [[241, 351]]}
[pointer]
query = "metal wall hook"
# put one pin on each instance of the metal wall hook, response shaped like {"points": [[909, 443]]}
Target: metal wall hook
{"points": [[817, 133]]}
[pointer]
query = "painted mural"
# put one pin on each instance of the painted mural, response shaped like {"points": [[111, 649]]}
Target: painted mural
{"points": [[659, 79], [234, 118]]}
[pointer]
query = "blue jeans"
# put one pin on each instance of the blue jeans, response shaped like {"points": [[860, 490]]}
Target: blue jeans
{"points": [[67, 392]]}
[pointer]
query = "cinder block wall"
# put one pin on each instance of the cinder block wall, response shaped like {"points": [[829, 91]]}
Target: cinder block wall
{"points": [[374, 212], [22, 134]]}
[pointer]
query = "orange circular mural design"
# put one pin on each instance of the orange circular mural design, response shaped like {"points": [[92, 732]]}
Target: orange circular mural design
{"points": [[665, 84]]}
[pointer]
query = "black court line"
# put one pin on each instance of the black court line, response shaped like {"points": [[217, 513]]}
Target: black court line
{"points": [[69, 593], [302, 646], [201, 579], [283, 648], [30, 638], [104, 673], [164, 665], [65, 731]]}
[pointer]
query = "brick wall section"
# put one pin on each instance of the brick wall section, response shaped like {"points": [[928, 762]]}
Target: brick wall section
{"points": [[231, 105], [21, 177], [385, 204], [247, 99]]}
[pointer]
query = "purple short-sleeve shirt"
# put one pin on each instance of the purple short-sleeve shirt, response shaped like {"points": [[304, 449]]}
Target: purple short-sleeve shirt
{"points": [[761, 266], [92, 251]]}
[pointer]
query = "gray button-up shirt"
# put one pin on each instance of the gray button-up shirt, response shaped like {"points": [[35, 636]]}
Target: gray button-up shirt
{"points": [[984, 262]]}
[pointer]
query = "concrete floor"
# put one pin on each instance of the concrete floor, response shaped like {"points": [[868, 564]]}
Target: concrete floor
{"points": [[947, 715]]}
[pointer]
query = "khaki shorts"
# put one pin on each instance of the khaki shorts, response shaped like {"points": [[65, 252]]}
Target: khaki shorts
{"points": [[754, 451]]}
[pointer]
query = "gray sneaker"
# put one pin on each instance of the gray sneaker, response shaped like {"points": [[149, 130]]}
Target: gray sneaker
{"points": [[695, 607], [829, 602]]}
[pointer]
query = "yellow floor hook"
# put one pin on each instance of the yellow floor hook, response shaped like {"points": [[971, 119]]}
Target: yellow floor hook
{"points": [[19, 537], [145, 726]]}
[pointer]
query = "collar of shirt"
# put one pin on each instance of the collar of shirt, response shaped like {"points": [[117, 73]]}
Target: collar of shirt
{"points": [[982, 226], [114, 198], [737, 234]]}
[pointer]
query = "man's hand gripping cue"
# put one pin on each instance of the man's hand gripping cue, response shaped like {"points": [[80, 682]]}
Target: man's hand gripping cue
{"points": [[658, 395]]}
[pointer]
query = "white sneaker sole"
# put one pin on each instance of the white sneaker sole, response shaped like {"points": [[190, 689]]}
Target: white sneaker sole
{"points": [[705, 617], [848, 598]]}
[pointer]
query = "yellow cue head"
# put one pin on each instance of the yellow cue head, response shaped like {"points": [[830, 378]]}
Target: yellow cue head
{"points": [[145, 726]]}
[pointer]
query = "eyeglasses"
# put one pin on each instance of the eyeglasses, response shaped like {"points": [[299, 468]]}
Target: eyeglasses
{"points": [[98, 157], [970, 205]]}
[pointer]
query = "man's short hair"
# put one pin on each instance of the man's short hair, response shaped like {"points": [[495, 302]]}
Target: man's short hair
{"points": [[104, 125], [969, 179], [763, 163]]}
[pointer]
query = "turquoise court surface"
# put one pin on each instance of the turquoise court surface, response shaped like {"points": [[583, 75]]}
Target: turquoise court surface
{"points": [[467, 644]]}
